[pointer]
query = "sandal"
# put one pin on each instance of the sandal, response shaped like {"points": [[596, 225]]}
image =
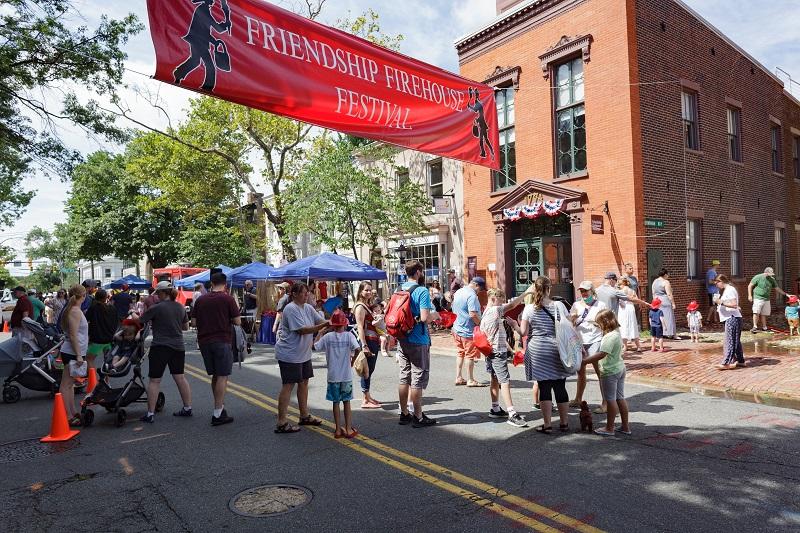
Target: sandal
{"points": [[75, 421], [461, 381], [602, 432], [352, 434], [473, 383], [563, 428], [339, 434], [309, 421], [619, 430], [599, 411], [545, 430], [369, 405], [574, 404], [286, 428]]}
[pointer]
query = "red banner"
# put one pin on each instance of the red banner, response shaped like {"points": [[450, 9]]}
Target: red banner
{"points": [[256, 54]]}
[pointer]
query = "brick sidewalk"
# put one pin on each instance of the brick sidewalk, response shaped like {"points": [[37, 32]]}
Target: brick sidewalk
{"points": [[772, 375]]}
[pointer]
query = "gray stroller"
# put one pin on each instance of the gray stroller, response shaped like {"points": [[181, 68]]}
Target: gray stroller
{"points": [[30, 361]]}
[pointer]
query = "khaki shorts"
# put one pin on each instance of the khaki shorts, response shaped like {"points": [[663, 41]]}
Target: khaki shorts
{"points": [[761, 307], [466, 348], [415, 363]]}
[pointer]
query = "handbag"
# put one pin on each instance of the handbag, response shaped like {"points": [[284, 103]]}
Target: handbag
{"points": [[77, 370], [361, 366], [568, 340], [481, 342]]}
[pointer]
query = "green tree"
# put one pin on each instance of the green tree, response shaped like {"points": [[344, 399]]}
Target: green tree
{"points": [[42, 52], [58, 247], [44, 278], [7, 281], [343, 203]]}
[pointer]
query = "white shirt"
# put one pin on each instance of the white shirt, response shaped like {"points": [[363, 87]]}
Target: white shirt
{"points": [[588, 328], [693, 318], [492, 326], [338, 346], [731, 295]]}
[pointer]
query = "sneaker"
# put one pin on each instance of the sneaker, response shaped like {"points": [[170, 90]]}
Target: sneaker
{"points": [[406, 419], [754, 330], [148, 418], [500, 413], [223, 418], [517, 420], [423, 421], [183, 412]]}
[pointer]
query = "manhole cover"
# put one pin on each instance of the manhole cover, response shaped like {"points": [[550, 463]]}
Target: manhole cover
{"points": [[23, 450], [270, 500]]}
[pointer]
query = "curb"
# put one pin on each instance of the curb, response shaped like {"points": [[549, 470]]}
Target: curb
{"points": [[764, 398]]}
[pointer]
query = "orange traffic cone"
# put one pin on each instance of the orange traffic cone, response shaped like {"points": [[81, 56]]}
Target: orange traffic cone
{"points": [[5, 326], [92, 380], [59, 426]]}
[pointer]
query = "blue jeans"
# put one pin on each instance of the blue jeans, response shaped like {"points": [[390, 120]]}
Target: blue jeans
{"points": [[374, 347]]}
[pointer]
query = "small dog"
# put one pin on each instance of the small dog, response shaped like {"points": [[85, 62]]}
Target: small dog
{"points": [[587, 424]]}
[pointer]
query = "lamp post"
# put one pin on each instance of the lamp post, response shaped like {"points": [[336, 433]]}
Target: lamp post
{"points": [[402, 252]]}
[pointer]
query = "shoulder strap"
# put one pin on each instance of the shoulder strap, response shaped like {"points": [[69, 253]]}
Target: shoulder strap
{"points": [[543, 308]]}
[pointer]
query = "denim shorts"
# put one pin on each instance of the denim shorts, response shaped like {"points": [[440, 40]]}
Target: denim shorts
{"points": [[341, 391], [657, 332], [497, 366]]}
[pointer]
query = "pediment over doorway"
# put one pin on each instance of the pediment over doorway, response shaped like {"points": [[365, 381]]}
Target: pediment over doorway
{"points": [[532, 191]]}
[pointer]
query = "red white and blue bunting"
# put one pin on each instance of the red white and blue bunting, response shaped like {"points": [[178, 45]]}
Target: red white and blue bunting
{"points": [[550, 208]]}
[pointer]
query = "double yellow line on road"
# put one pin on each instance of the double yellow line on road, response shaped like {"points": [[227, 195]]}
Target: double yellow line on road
{"points": [[486, 497]]}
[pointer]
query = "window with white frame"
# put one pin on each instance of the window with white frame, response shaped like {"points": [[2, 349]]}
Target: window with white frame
{"points": [[691, 128], [107, 273], [737, 256], [735, 134], [401, 177], [694, 238], [435, 179], [570, 118]]}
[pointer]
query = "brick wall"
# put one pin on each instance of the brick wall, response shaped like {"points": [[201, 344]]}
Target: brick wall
{"points": [[674, 45], [610, 138]]}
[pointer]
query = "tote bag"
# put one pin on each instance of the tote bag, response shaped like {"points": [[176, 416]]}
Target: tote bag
{"points": [[480, 341], [568, 340]]}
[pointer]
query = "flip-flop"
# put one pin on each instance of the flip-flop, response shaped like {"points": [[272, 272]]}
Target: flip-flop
{"points": [[339, 435], [461, 381], [546, 431], [352, 434], [366, 405], [603, 433], [310, 421], [618, 430], [476, 384], [286, 427]]}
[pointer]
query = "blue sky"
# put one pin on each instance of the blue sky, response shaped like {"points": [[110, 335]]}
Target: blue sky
{"points": [[767, 30]]}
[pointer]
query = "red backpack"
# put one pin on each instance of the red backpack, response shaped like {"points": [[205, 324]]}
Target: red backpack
{"points": [[399, 318]]}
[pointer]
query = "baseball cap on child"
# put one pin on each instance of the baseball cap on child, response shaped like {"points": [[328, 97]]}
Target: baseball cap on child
{"points": [[656, 303], [793, 299], [338, 318], [693, 306]]}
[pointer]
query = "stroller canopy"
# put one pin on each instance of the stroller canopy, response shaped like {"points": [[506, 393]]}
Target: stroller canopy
{"points": [[254, 271], [10, 351], [202, 277], [328, 266], [133, 282]]}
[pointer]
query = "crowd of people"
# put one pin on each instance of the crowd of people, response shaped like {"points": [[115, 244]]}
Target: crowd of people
{"points": [[605, 318]]}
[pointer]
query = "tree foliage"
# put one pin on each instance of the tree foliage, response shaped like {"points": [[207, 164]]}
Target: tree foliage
{"points": [[41, 55], [44, 278], [345, 204]]}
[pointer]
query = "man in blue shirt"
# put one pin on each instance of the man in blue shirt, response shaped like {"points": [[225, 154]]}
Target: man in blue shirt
{"points": [[468, 315], [711, 288], [415, 349]]}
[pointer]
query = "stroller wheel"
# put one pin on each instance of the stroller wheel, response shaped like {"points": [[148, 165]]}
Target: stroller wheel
{"points": [[122, 416], [11, 394], [160, 401], [87, 417]]}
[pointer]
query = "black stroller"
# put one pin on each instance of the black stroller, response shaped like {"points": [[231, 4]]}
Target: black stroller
{"points": [[114, 399], [29, 361]]}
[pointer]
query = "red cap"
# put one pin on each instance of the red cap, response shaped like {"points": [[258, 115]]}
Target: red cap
{"points": [[793, 299], [693, 306], [656, 303], [132, 322], [338, 318]]}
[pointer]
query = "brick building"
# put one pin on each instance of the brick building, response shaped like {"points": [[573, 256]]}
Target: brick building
{"points": [[648, 135]]}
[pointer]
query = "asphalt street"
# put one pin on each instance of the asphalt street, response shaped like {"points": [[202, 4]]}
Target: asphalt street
{"points": [[693, 463]]}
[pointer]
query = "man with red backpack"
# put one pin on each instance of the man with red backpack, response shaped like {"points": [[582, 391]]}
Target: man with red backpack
{"points": [[410, 311]]}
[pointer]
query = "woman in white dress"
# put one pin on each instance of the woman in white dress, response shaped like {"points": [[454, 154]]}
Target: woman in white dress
{"points": [[628, 324]]}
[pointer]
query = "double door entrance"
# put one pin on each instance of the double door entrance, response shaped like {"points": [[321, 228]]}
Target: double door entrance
{"points": [[543, 248], [528, 264]]}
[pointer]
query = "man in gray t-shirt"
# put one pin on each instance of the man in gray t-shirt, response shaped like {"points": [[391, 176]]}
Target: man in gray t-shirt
{"points": [[610, 295]]}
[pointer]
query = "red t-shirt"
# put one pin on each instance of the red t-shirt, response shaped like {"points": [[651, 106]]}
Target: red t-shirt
{"points": [[23, 305], [213, 312]]}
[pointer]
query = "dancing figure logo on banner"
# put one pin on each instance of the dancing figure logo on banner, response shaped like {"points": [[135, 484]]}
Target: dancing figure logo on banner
{"points": [[254, 53]]}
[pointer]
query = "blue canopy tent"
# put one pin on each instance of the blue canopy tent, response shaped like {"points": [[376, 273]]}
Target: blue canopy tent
{"points": [[329, 267], [133, 282], [202, 277], [254, 271]]}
